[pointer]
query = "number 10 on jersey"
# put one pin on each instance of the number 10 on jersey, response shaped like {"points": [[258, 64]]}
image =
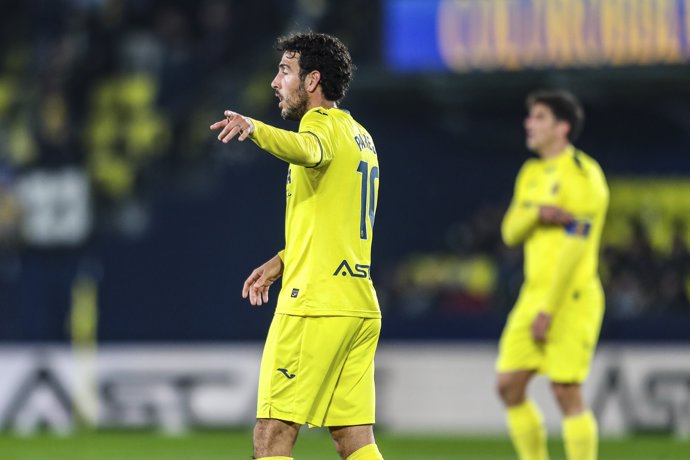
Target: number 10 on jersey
{"points": [[369, 178]]}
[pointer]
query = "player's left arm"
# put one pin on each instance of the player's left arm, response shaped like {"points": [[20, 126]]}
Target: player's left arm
{"points": [[571, 252], [572, 248], [260, 280]]}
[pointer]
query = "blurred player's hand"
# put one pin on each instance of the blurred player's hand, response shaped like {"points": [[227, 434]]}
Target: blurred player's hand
{"points": [[258, 283], [540, 327], [232, 125], [553, 215]]}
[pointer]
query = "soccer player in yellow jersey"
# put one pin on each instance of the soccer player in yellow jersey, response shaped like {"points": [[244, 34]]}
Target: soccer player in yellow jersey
{"points": [[318, 361], [557, 213]]}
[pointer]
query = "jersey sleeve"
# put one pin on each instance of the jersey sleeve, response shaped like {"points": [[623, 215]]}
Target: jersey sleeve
{"points": [[577, 237], [571, 252], [522, 214], [311, 147]]}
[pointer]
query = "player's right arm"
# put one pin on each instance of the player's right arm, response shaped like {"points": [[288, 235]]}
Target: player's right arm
{"points": [[525, 212], [522, 215], [311, 147]]}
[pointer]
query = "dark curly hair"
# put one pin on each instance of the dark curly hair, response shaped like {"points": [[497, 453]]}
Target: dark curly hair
{"points": [[565, 107], [324, 53]]}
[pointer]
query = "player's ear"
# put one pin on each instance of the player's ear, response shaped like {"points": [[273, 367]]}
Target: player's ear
{"points": [[564, 128], [312, 80]]}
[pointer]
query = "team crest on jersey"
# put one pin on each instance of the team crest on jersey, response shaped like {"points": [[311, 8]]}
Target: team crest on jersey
{"points": [[555, 188], [345, 269]]}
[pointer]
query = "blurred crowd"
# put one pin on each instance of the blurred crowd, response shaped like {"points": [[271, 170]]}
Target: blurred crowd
{"points": [[642, 280], [104, 111], [105, 107], [475, 273], [106, 99]]}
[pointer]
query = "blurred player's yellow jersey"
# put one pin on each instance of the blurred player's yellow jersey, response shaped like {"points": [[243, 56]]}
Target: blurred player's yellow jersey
{"points": [[332, 191], [558, 259]]}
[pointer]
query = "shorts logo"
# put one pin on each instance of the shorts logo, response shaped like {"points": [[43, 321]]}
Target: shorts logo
{"points": [[360, 271], [285, 373], [294, 293]]}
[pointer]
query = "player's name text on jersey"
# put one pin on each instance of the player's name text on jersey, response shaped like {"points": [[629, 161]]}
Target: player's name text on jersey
{"points": [[364, 142]]}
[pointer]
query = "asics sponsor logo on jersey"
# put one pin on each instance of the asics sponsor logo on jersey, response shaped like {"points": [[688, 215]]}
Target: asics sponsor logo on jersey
{"points": [[345, 269], [364, 142]]}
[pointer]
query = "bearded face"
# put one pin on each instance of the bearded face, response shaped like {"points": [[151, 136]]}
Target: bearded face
{"points": [[289, 88], [293, 105]]}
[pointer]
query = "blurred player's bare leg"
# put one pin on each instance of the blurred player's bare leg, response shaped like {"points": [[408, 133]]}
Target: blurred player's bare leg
{"points": [[512, 387], [525, 422], [274, 438], [580, 431], [355, 442], [569, 398]]}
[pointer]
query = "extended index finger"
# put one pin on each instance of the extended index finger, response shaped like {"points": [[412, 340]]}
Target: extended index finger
{"points": [[219, 124]]}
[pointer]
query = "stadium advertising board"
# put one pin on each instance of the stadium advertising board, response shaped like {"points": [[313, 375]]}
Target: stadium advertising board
{"points": [[466, 35], [420, 388]]}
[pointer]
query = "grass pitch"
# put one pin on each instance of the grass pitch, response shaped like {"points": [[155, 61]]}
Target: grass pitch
{"points": [[312, 445]]}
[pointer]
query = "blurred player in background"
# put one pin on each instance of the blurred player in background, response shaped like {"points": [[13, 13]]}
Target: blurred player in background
{"points": [[557, 213], [318, 361]]}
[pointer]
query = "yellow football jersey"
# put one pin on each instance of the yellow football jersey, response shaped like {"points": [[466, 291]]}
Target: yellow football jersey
{"points": [[558, 260], [331, 197]]}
